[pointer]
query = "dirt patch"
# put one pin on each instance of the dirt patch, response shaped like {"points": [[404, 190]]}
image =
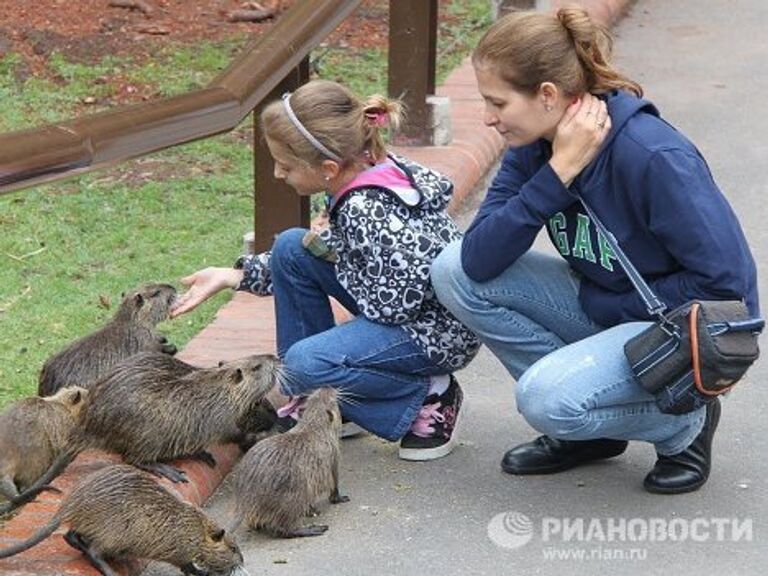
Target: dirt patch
{"points": [[85, 30]]}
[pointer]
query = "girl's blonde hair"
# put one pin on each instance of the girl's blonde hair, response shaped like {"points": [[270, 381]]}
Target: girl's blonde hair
{"points": [[568, 49], [343, 124]]}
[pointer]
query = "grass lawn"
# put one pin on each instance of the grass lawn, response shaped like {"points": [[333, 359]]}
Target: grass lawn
{"points": [[68, 250]]}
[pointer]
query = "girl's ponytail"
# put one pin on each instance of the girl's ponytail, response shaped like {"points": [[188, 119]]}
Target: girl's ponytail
{"points": [[380, 112]]}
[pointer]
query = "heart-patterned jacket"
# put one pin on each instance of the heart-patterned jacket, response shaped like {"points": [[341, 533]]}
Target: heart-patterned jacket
{"points": [[385, 229]]}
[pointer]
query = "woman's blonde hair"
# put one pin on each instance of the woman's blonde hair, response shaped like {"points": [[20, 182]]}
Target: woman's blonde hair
{"points": [[345, 126], [568, 49]]}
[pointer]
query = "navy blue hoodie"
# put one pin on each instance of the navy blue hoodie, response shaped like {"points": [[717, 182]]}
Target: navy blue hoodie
{"points": [[651, 188]]}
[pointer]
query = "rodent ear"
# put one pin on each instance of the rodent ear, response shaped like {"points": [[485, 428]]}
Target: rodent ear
{"points": [[217, 535], [77, 397], [138, 300], [221, 363], [237, 375], [330, 415]]}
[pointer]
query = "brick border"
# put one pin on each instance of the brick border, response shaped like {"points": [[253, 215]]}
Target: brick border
{"points": [[245, 325]]}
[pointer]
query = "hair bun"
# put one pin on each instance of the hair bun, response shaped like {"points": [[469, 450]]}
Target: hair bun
{"points": [[381, 111], [579, 25], [377, 117]]}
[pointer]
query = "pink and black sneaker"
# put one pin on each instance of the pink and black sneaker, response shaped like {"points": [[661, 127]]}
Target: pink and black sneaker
{"points": [[432, 434]]}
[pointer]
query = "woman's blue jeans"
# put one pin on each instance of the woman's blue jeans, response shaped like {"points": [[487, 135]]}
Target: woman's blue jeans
{"points": [[573, 381], [383, 374]]}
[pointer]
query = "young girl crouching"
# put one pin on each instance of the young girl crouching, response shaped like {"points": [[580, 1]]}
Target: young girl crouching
{"points": [[386, 224]]}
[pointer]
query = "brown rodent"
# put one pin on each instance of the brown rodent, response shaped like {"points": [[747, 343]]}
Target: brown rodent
{"points": [[149, 416], [131, 330], [252, 423], [33, 432], [281, 479], [121, 513]]}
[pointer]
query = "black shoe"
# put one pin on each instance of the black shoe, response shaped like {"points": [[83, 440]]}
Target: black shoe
{"points": [[433, 433], [546, 455], [688, 470]]}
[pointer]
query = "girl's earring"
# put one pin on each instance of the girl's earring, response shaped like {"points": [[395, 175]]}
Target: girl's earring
{"points": [[547, 107]]}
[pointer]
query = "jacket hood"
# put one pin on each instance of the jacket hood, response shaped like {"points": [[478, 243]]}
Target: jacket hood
{"points": [[622, 107], [412, 184]]}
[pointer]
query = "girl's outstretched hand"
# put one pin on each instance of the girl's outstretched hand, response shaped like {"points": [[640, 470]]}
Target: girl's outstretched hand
{"points": [[202, 285], [578, 137]]}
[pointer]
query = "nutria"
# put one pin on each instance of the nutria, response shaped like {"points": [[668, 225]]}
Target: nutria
{"points": [[149, 416], [252, 421], [253, 424], [180, 413], [119, 512], [281, 479], [33, 432], [131, 330]]}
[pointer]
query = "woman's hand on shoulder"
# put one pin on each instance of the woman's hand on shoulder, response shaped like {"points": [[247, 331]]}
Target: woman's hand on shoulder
{"points": [[578, 137], [203, 284]]}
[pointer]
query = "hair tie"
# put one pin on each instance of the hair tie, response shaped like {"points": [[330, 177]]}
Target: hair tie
{"points": [[304, 132], [377, 117]]}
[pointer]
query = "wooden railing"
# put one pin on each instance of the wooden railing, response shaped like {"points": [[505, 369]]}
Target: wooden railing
{"points": [[273, 63]]}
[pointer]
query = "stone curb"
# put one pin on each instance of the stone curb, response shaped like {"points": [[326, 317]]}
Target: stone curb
{"points": [[233, 333]]}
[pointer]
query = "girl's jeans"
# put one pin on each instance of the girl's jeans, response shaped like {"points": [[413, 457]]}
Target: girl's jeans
{"points": [[573, 381], [383, 374]]}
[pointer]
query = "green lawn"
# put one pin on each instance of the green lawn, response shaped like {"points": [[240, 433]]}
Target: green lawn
{"points": [[68, 250]]}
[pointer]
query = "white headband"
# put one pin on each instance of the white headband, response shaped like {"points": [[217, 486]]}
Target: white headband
{"points": [[306, 133]]}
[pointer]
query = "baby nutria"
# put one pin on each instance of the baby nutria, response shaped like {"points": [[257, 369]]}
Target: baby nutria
{"points": [[120, 513], [149, 416], [130, 331], [281, 478], [33, 432]]}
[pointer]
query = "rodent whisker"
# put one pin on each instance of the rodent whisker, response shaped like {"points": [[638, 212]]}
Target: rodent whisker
{"points": [[346, 396], [348, 401]]}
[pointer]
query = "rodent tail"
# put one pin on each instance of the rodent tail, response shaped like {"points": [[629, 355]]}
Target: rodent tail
{"points": [[44, 532], [56, 468]]}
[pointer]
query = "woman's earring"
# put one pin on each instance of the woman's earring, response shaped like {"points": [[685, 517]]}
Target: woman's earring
{"points": [[547, 107]]}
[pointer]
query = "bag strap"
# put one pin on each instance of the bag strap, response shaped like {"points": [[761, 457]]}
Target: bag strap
{"points": [[652, 302]]}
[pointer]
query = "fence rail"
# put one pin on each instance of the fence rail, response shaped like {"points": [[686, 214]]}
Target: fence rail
{"points": [[274, 62]]}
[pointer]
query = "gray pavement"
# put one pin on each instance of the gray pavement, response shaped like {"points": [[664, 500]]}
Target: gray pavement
{"points": [[703, 63]]}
